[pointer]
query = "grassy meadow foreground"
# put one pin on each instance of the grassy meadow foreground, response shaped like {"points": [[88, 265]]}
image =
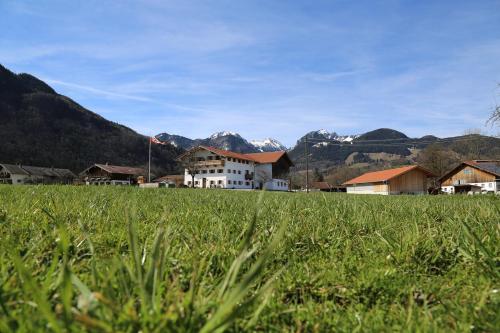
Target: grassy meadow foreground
{"points": [[128, 259]]}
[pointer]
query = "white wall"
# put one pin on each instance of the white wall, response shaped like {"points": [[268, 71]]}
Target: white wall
{"points": [[485, 187], [233, 175], [18, 179], [363, 189]]}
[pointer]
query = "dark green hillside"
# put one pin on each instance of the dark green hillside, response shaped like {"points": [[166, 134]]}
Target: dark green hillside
{"points": [[41, 127], [382, 134]]}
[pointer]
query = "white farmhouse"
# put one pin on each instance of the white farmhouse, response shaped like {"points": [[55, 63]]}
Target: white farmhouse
{"points": [[209, 167]]}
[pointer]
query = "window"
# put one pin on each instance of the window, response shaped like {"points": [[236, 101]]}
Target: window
{"points": [[229, 182], [189, 182], [203, 171], [220, 182], [220, 170], [212, 170], [234, 171], [229, 159], [196, 182], [467, 172], [239, 172], [247, 183], [217, 158], [490, 184], [240, 182], [212, 182], [228, 170], [210, 158]]}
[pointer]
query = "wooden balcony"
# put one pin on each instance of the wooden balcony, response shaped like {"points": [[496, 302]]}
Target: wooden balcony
{"points": [[212, 163]]}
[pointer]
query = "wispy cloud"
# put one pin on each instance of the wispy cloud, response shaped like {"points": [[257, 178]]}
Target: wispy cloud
{"points": [[265, 69], [105, 93]]}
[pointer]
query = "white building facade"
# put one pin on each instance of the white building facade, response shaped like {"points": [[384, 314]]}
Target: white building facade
{"points": [[216, 168]]}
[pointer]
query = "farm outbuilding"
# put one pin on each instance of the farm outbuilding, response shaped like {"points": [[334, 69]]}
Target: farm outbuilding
{"points": [[476, 176], [171, 180], [25, 174], [321, 186], [105, 174], [405, 180]]}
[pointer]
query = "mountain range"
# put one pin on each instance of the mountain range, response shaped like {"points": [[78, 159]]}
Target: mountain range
{"points": [[41, 127], [224, 140]]}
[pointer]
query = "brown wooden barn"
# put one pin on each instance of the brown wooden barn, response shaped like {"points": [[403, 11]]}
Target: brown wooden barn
{"points": [[105, 174], [476, 176], [405, 180]]}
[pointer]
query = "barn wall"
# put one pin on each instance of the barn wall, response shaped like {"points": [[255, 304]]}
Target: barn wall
{"points": [[467, 175], [414, 181]]}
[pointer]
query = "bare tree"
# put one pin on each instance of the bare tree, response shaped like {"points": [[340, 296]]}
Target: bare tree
{"points": [[437, 159], [263, 178], [495, 116], [191, 164]]}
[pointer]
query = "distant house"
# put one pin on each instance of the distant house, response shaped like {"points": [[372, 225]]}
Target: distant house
{"points": [[25, 174], [171, 180], [321, 186], [218, 168], [405, 180], [476, 176], [105, 174]]}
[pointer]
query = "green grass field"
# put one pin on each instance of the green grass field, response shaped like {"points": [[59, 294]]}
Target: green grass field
{"points": [[76, 259]]}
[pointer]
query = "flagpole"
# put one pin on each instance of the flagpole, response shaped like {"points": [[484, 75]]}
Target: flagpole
{"points": [[149, 164]]}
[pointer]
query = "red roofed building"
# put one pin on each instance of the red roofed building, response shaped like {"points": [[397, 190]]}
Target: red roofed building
{"points": [[405, 180], [209, 167]]}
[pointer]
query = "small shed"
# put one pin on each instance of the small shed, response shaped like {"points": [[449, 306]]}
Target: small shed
{"points": [[404, 180], [321, 186], [105, 174], [171, 180]]}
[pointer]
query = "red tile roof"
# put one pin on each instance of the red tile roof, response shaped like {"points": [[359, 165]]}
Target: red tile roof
{"points": [[384, 175], [268, 157], [227, 153]]}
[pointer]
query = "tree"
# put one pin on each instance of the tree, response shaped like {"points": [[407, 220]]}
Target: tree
{"points": [[317, 175], [495, 116], [437, 159], [191, 164]]}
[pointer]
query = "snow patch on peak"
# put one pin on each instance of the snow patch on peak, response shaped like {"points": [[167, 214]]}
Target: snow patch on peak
{"points": [[321, 144], [323, 132], [268, 144], [223, 133]]}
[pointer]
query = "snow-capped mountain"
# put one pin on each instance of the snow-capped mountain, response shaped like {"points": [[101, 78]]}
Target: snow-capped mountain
{"points": [[268, 144], [224, 140], [217, 135]]}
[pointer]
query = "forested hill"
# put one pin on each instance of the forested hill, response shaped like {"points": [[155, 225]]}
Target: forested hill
{"points": [[40, 127]]}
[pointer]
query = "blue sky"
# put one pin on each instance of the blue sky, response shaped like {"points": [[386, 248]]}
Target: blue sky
{"points": [[265, 68]]}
